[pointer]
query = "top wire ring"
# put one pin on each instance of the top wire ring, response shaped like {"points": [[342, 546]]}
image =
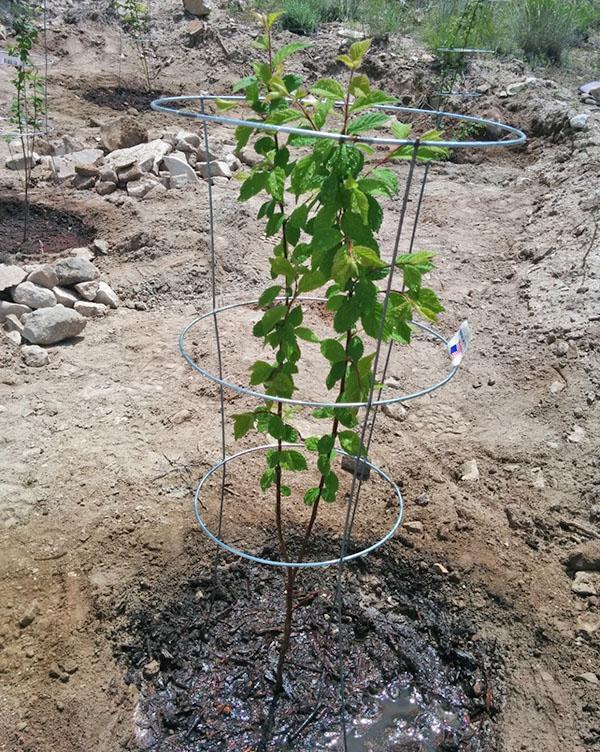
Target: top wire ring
{"points": [[164, 104]]}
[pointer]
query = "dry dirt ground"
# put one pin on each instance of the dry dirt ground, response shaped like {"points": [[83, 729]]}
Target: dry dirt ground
{"points": [[102, 449]]}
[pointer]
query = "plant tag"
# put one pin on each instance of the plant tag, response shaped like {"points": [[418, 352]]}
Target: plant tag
{"points": [[9, 60], [459, 343]]}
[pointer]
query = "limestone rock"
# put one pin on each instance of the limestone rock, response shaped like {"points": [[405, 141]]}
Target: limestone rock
{"points": [[34, 296], [88, 170], [218, 169], [130, 174], [580, 122], [90, 310], [469, 471], [108, 174], [122, 133], [13, 323], [101, 247], [47, 326], [13, 337], [11, 276], [177, 167], [83, 183], [585, 583], [73, 270], [83, 253], [187, 142], [65, 297], [18, 161], [34, 356], [148, 156], [413, 526], [156, 190], [106, 295], [7, 308], [232, 162], [198, 7], [64, 167], [139, 188], [44, 276], [87, 290]]}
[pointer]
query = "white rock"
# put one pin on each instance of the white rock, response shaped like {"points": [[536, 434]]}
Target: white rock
{"points": [[139, 188], [556, 387], [156, 190], [106, 295], [65, 297], [577, 435], [198, 7], [13, 337], [232, 162], [87, 290], [73, 270], [108, 174], [580, 122], [218, 169], [101, 247], [18, 161], [11, 276], [33, 296], [44, 276], [518, 86], [538, 479], [122, 133], [47, 326], [588, 677], [64, 167], [350, 34], [469, 471], [396, 411], [148, 156], [249, 157], [68, 145], [585, 583], [6, 308], [90, 310], [187, 142], [13, 323], [34, 356], [180, 181], [83, 253], [413, 526], [178, 167]]}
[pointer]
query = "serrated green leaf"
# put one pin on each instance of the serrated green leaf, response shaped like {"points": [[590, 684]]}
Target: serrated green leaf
{"points": [[242, 423], [312, 280], [311, 443], [267, 479], [280, 265], [346, 315], [290, 459], [371, 99], [260, 372], [327, 88], [243, 83], [330, 487], [368, 258], [269, 320], [333, 351], [311, 496], [428, 303], [359, 49], [350, 442], [367, 122], [401, 131], [253, 185], [280, 385], [289, 49], [269, 295], [276, 183]]}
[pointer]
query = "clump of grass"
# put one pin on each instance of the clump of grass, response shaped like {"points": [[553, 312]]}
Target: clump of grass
{"points": [[546, 29], [382, 17]]}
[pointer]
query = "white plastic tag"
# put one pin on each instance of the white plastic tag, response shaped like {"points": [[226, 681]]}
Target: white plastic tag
{"points": [[459, 343], [9, 60]]}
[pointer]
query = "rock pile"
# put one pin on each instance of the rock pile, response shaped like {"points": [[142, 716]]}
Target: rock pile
{"points": [[47, 303], [131, 162]]}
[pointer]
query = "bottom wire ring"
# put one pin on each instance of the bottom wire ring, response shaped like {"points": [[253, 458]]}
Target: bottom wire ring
{"points": [[296, 564]]}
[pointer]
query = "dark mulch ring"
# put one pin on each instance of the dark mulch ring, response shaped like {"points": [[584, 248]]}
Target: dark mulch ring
{"points": [[417, 676], [122, 97], [49, 231]]}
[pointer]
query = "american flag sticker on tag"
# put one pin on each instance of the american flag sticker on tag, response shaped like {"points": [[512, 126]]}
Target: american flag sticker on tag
{"points": [[459, 344]]}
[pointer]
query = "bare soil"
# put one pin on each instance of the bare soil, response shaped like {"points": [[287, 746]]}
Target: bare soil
{"points": [[102, 558]]}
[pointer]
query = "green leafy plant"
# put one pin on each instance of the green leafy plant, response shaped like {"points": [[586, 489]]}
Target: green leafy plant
{"points": [[28, 105], [135, 17], [546, 29], [321, 207]]}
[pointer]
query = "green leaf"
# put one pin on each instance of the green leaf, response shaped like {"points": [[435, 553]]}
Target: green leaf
{"points": [[368, 258], [290, 459], [336, 373], [311, 443], [268, 321], [311, 281], [325, 239], [260, 372], [280, 265], [347, 315], [242, 136], [330, 486], [225, 105], [359, 49], [242, 423], [289, 49], [350, 442], [421, 260], [302, 174], [253, 185], [370, 99], [243, 83], [333, 350], [303, 332], [428, 304], [356, 348], [359, 86], [280, 385], [401, 131], [344, 266], [311, 496], [388, 180], [327, 88], [267, 478], [367, 122], [274, 224], [269, 295], [276, 183], [285, 491]]}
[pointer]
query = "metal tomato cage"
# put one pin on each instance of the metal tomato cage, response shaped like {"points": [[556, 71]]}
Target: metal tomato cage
{"points": [[195, 108]]}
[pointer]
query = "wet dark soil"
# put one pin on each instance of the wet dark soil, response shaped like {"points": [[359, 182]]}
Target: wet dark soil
{"points": [[122, 97], [49, 233], [417, 676]]}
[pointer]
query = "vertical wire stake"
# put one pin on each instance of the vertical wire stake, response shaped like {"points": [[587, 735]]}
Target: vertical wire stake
{"points": [[353, 497], [213, 274]]}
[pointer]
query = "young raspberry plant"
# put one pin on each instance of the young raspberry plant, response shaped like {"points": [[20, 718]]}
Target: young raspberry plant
{"points": [[322, 210]]}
